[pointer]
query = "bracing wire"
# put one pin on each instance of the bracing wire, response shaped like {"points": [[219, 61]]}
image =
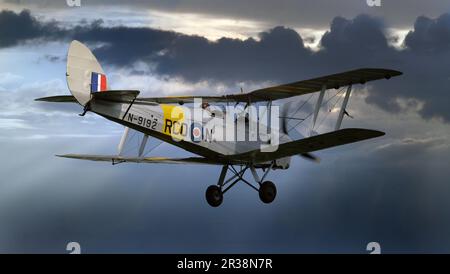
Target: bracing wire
{"points": [[310, 114], [302, 105], [130, 139], [328, 112], [152, 148]]}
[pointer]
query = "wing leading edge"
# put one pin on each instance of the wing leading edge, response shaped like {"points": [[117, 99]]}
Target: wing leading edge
{"points": [[334, 81], [358, 76], [115, 159]]}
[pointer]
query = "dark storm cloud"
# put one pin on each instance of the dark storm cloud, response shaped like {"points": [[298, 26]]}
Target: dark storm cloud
{"points": [[275, 56], [364, 34], [279, 55], [17, 27], [425, 60], [430, 36], [134, 43], [426, 63], [305, 13]]}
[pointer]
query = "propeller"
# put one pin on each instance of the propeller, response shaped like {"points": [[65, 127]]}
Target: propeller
{"points": [[310, 157], [284, 127]]}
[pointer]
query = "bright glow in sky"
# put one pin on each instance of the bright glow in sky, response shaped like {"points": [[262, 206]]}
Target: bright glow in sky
{"points": [[397, 37], [210, 27]]}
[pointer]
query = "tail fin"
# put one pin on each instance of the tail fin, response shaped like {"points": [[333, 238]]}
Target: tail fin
{"points": [[84, 73]]}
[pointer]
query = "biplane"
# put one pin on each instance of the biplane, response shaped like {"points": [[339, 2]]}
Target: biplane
{"points": [[165, 118]]}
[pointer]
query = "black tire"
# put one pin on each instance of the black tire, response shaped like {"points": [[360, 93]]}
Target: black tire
{"points": [[267, 192], [214, 196]]}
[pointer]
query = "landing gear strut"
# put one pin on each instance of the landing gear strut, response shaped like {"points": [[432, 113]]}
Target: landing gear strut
{"points": [[267, 190]]}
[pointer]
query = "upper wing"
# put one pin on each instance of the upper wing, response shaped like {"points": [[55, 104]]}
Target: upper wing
{"points": [[154, 160], [358, 76], [306, 145]]}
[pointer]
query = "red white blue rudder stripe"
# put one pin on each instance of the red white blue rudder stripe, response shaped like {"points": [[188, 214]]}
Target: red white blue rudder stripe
{"points": [[98, 82]]}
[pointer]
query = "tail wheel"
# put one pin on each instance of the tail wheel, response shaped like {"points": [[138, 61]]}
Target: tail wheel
{"points": [[214, 196], [267, 192]]}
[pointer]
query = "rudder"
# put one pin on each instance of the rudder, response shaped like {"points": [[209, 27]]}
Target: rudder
{"points": [[84, 73]]}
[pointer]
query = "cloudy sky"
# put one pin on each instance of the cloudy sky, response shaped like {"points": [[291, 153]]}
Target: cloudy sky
{"points": [[393, 190]]}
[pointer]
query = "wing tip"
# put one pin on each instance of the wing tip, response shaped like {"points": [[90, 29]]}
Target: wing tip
{"points": [[42, 99], [57, 99], [369, 133]]}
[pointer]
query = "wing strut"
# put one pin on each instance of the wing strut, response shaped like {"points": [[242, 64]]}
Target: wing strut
{"points": [[142, 147], [122, 140], [344, 105], [317, 108]]}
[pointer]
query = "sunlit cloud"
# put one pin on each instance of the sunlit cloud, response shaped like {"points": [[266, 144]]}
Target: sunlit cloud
{"points": [[8, 123], [211, 27], [396, 37], [311, 37]]}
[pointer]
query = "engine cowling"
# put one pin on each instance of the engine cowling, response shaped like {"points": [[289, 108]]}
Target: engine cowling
{"points": [[282, 163]]}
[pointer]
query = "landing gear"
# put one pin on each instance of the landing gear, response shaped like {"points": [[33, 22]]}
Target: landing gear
{"points": [[267, 190], [214, 196]]}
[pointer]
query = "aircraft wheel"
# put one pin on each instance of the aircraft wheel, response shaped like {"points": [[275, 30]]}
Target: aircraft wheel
{"points": [[267, 192], [214, 196]]}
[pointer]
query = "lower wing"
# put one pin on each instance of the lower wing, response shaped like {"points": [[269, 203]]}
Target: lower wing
{"points": [[302, 146], [310, 144], [116, 159]]}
